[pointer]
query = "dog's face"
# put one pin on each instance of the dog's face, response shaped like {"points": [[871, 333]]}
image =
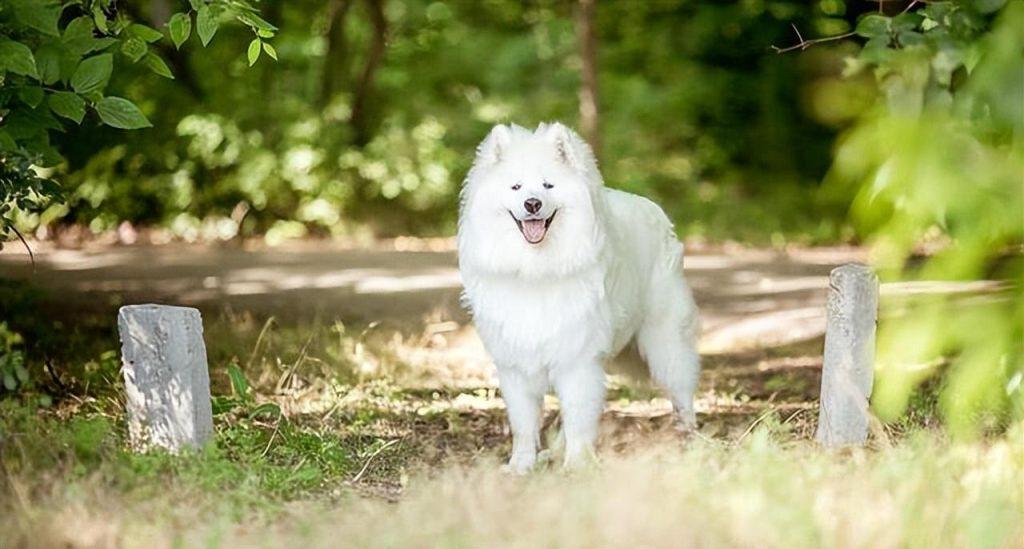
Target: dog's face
{"points": [[530, 197]]}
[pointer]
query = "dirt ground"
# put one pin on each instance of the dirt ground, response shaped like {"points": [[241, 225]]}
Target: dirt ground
{"points": [[762, 318], [748, 298]]}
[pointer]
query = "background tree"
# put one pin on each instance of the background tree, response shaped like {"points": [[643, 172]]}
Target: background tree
{"points": [[589, 107]]}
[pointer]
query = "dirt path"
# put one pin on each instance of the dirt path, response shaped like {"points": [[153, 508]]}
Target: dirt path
{"points": [[762, 312], [748, 298]]}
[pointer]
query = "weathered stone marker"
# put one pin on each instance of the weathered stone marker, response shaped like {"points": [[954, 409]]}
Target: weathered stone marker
{"points": [[848, 369], [165, 376]]}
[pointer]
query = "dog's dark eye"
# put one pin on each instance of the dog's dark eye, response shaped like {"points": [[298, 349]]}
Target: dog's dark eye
{"points": [[516, 187], [548, 185]]}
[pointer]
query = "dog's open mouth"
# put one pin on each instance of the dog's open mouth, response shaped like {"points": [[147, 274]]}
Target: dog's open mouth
{"points": [[534, 230]]}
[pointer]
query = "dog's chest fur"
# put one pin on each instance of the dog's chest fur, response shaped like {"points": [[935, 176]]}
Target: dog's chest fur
{"points": [[535, 324]]}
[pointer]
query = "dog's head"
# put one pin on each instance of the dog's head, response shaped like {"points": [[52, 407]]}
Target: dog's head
{"points": [[529, 201]]}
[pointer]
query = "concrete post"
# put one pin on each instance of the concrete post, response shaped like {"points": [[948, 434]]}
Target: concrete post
{"points": [[848, 369], [163, 358]]}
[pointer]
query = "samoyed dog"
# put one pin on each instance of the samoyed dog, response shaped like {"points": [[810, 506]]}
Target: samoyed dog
{"points": [[560, 274]]}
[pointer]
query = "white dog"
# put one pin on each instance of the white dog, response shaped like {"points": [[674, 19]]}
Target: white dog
{"points": [[560, 273]]}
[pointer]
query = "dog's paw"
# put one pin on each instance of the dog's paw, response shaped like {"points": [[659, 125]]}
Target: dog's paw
{"points": [[579, 460], [686, 422], [519, 464]]}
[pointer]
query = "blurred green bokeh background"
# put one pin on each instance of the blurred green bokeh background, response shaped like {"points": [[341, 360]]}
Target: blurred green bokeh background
{"points": [[695, 111]]}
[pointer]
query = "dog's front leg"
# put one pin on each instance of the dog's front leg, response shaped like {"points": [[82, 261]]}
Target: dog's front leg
{"points": [[581, 391], [524, 396]]}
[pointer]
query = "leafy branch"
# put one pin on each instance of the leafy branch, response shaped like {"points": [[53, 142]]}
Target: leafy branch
{"points": [[52, 74], [866, 31]]}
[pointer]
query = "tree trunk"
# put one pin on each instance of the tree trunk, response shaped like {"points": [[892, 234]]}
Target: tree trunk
{"points": [[589, 114], [335, 58], [364, 87]]}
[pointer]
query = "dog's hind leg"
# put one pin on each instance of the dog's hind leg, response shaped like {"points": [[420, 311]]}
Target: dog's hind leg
{"points": [[581, 391], [668, 342], [524, 397]]}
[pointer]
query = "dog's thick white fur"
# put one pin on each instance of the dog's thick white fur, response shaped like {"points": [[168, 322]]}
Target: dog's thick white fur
{"points": [[560, 274]]}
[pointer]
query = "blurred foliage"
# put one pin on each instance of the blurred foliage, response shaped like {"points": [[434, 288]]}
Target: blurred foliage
{"points": [[13, 373], [56, 60], [697, 113], [938, 170]]}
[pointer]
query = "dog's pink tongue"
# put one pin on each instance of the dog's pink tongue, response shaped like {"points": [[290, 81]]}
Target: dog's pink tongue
{"points": [[534, 230]]}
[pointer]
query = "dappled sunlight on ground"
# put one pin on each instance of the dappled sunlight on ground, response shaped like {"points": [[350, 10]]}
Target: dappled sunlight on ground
{"points": [[392, 312], [747, 297], [362, 372]]}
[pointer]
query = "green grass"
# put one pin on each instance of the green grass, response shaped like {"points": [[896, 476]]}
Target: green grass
{"points": [[72, 480], [250, 463]]}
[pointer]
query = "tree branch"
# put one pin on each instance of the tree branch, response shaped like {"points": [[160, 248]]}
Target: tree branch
{"points": [[31, 256], [804, 44]]}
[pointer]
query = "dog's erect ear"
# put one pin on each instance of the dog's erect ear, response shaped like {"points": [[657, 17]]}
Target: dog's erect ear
{"points": [[493, 147], [569, 148]]}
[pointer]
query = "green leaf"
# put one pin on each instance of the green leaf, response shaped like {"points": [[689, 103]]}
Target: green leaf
{"points": [[180, 26], [134, 48], [157, 65], [41, 144], [937, 11], [17, 58], [78, 36], [102, 43], [48, 58], [100, 19], [206, 24], [31, 95], [254, 51], [873, 25], [118, 112], [30, 123], [907, 21], [6, 142], [146, 34], [270, 50], [267, 409], [876, 50], [93, 73], [67, 104], [256, 22], [910, 38], [68, 65], [239, 385], [197, 4], [41, 15]]}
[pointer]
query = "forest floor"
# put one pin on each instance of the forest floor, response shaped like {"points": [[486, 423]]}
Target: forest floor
{"points": [[762, 312], [362, 377]]}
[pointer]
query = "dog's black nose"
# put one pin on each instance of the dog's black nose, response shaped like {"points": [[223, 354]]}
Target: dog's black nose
{"points": [[532, 205]]}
